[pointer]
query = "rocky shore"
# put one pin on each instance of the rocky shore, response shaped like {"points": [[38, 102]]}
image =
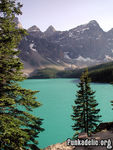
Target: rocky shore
{"points": [[59, 146], [104, 138]]}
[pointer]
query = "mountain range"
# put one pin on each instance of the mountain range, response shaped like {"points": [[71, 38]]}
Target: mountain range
{"points": [[82, 46]]}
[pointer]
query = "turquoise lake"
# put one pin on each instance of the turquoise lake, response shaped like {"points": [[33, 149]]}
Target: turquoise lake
{"points": [[57, 97]]}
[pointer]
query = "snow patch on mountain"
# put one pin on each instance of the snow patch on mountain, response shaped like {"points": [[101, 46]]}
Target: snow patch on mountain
{"points": [[66, 56], [70, 34], [32, 47], [108, 58], [80, 58], [85, 29]]}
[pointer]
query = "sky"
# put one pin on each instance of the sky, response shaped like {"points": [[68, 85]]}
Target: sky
{"points": [[66, 14]]}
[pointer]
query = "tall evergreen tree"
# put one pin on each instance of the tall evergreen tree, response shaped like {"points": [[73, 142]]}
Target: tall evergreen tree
{"points": [[18, 128], [85, 115]]}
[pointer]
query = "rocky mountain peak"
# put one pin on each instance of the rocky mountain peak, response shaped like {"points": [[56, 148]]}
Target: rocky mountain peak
{"points": [[94, 22], [90, 26], [110, 31], [50, 30], [84, 45], [34, 29], [16, 20]]}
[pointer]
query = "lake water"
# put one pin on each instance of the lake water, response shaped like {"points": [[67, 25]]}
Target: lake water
{"points": [[57, 97]]}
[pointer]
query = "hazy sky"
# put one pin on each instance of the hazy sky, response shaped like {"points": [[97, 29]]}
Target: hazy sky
{"points": [[66, 14]]}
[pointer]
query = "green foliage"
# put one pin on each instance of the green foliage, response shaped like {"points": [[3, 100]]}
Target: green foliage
{"points": [[85, 115], [70, 73], [54, 73], [18, 128], [99, 73], [103, 74], [44, 73]]}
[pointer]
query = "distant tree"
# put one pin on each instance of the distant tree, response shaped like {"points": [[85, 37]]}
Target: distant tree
{"points": [[85, 115], [18, 128]]}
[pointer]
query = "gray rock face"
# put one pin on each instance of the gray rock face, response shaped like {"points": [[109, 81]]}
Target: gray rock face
{"points": [[85, 40], [50, 31], [59, 146], [34, 29], [82, 46]]}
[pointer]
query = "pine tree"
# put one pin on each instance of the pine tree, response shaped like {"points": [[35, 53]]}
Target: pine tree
{"points": [[85, 115], [18, 128]]}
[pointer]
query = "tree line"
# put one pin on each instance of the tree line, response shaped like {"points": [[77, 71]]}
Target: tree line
{"points": [[100, 73]]}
